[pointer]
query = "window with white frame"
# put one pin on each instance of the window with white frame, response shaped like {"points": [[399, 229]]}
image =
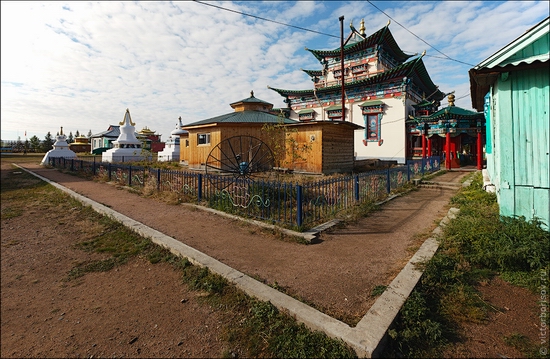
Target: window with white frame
{"points": [[203, 139]]}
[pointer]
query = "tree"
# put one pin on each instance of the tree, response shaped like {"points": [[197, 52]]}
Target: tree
{"points": [[48, 142], [34, 144], [19, 146], [89, 134], [77, 134], [286, 150], [70, 138]]}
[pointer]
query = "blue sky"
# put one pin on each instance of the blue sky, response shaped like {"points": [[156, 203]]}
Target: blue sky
{"points": [[80, 64]]}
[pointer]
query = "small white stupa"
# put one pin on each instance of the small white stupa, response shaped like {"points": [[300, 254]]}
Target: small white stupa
{"points": [[171, 151], [126, 147], [60, 149]]}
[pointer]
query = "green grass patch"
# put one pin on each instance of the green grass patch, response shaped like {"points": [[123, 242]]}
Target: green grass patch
{"points": [[476, 246]]}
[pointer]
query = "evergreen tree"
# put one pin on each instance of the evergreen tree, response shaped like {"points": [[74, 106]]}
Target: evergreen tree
{"points": [[48, 142], [70, 138], [77, 134], [34, 144], [89, 134], [19, 146]]}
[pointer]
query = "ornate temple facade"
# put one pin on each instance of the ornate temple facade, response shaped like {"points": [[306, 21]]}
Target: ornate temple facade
{"points": [[381, 86], [454, 134]]}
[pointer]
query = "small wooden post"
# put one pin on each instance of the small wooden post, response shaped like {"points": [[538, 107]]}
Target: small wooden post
{"points": [[479, 151]]}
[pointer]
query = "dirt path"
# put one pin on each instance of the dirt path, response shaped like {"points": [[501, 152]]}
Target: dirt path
{"points": [[336, 275], [143, 310]]}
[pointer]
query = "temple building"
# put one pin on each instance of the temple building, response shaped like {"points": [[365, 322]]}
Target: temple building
{"points": [[455, 134], [171, 151], [381, 86], [150, 139], [80, 144], [126, 147], [60, 149]]}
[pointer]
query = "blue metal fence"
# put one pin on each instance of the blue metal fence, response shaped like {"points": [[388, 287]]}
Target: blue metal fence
{"points": [[289, 204]]}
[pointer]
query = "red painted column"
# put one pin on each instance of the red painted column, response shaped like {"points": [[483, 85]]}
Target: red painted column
{"points": [[479, 152], [423, 145], [429, 147], [448, 151]]}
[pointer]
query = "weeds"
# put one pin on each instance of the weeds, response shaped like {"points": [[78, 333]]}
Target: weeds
{"points": [[476, 246]]}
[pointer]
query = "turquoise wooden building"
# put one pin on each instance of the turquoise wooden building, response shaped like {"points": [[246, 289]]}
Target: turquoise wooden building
{"points": [[512, 86]]}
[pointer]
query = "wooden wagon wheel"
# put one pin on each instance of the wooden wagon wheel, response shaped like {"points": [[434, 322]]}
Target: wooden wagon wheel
{"points": [[238, 157]]}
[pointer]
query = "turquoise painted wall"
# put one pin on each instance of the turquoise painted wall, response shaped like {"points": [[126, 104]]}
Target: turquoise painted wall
{"points": [[520, 121]]}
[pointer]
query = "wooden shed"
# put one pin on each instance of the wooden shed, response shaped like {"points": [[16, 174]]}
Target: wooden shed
{"points": [[248, 119], [512, 86], [330, 146]]}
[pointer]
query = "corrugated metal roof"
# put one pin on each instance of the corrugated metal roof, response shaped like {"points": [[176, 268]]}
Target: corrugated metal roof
{"points": [[114, 132], [513, 52], [242, 117]]}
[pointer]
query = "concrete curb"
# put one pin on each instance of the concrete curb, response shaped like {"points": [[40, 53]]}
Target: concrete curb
{"points": [[367, 338]]}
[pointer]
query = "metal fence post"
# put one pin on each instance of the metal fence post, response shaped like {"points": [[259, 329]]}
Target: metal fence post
{"points": [[299, 205], [408, 172], [93, 168], [388, 181], [130, 176], [109, 171], [199, 185], [72, 164], [356, 188], [158, 179]]}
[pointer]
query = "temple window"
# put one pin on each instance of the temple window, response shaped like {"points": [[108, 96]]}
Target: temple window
{"points": [[203, 139], [334, 113], [306, 115], [372, 114]]}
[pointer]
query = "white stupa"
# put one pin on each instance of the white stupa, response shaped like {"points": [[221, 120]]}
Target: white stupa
{"points": [[60, 149], [171, 151], [126, 147]]}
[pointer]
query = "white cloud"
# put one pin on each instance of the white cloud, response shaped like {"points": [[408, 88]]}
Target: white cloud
{"points": [[80, 65]]}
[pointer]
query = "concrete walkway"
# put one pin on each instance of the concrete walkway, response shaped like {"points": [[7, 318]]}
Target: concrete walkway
{"points": [[366, 337]]}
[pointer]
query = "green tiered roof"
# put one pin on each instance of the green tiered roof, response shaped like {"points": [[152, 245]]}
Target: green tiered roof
{"points": [[414, 69], [382, 37]]}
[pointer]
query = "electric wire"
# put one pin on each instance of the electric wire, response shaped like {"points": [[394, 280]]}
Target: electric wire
{"points": [[263, 18], [325, 34], [418, 37]]}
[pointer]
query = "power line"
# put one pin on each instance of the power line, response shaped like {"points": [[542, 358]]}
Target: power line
{"points": [[418, 37], [262, 18], [325, 34]]}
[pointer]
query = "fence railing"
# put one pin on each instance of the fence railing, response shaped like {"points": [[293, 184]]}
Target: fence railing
{"points": [[299, 206]]}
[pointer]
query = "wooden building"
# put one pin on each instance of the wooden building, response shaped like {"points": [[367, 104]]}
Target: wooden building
{"points": [[329, 145], [381, 85], [512, 86]]}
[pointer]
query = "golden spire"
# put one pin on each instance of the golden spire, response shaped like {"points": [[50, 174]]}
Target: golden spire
{"points": [[362, 28], [252, 93], [451, 99], [61, 133]]}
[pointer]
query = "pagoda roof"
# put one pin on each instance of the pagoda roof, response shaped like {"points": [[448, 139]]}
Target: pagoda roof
{"points": [[414, 69], [250, 100], [258, 117], [449, 113], [382, 37], [313, 73]]}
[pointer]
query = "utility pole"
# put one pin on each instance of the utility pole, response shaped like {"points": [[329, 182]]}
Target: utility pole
{"points": [[342, 66]]}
